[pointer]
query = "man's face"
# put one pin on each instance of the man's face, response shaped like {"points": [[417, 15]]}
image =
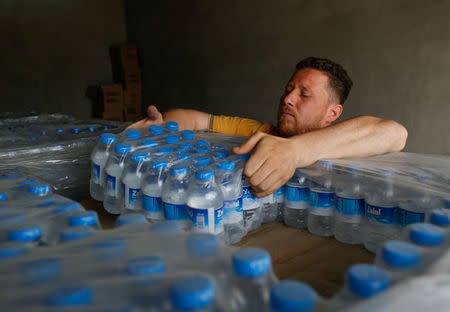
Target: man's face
{"points": [[304, 104]]}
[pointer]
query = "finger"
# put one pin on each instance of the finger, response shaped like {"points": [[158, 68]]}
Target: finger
{"points": [[138, 124], [255, 161], [259, 175], [154, 114], [248, 145], [272, 183]]}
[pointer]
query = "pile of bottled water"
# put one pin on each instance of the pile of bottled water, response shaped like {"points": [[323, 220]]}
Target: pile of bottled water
{"points": [[54, 148]]}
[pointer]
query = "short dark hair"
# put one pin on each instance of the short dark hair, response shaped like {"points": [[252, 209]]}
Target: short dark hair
{"points": [[339, 80]]}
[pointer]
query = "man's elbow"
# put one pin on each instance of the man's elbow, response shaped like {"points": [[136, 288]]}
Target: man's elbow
{"points": [[399, 134]]}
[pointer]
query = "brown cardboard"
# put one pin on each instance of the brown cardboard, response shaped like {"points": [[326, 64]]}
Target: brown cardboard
{"points": [[116, 116], [132, 78], [132, 103], [129, 56], [112, 98]]}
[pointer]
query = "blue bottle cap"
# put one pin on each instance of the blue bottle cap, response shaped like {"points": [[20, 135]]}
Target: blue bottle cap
{"points": [[76, 233], [367, 280], [12, 218], [3, 196], [132, 134], [107, 138], [122, 148], [171, 139], [166, 227], [138, 157], [65, 207], [164, 150], [172, 126], [151, 265], [41, 270], [185, 146], [226, 165], [155, 130], [25, 233], [76, 130], [105, 127], [287, 296], [425, 234], [183, 156], [60, 130], [86, 218], [204, 175], [149, 143], [220, 154], [187, 135], [92, 128], [440, 217], [202, 244], [401, 255], [130, 218], [201, 150], [201, 142], [192, 293], [251, 262], [243, 157], [178, 170], [71, 295], [159, 164], [202, 161], [12, 250], [39, 190], [110, 248]]}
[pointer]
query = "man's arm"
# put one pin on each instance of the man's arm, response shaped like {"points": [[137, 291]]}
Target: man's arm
{"points": [[275, 159], [187, 119]]}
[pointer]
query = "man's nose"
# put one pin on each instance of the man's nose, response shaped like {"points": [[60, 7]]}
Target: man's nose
{"points": [[289, 98]]}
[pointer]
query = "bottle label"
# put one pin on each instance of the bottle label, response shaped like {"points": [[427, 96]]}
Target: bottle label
{"points": [[175, 212], [206, 220], [297, 193], [406, 217], [96, 174], [152, 204], [278, 195], [267, 200], [249, 201], [350, 206], [385, 215], [321, 200], [131, 195], [111, 188], [232, 210]]}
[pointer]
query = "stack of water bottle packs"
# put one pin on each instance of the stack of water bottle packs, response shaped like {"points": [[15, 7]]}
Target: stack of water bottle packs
{"points": [[54, 148]]}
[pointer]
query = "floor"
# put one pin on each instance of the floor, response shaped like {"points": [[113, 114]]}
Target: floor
{"points": [[296, 254]]}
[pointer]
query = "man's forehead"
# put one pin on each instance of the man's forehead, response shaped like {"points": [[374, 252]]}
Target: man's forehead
{"points": [[309, 78]]}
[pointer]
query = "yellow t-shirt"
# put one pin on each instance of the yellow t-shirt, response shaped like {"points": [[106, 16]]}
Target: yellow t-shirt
{"points": [[238, 125]]}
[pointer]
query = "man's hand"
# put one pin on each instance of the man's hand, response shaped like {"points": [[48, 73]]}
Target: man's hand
{"points": [[154, 117], [273, 161]]}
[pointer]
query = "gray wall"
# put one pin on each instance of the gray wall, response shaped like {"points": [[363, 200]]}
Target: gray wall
{"points": [[51, 51], [234, 57]]}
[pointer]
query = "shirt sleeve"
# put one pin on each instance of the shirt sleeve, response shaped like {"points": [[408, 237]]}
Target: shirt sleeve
{"points": [[237, 125]]}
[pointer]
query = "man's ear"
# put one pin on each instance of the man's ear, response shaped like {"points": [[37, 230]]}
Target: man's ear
{"points": [[334, 111]]}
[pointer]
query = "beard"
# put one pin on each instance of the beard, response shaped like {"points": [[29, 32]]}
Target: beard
{"points": [[287, 128]]}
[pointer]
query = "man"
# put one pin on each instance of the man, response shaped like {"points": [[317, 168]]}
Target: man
{"points": [[312, 100]]}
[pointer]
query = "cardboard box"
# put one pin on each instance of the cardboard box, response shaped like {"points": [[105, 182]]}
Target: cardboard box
{"points": [[129, 56], [112, 98], [116, 116], [132, 78], [133, 103]]}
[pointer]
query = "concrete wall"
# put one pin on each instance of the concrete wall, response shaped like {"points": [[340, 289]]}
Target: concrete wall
{"points": [[234, 57], [51, 51]]}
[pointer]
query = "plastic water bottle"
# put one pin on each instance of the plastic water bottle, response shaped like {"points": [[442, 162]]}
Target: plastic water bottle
{"points": [[290, 295], [205, 203], [348, 217], [171, 126], [155, 130], [99, 157], [131, 180], [201, 150], [231, 186], [194, 293], [76, 233], [278, 198], [173, 196], [185, 146], [152, 184], [253, 277], [131, 218], [381, 220], [269, 208], [296, 201], [132, 137], [219, 155], [187, 135], [440, 217], [321, 211], [400, 259], [113, 169], [430, 238]]}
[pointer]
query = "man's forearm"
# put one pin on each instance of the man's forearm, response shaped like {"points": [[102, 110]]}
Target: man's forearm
{"points": [[357, 137], [187, 118]]}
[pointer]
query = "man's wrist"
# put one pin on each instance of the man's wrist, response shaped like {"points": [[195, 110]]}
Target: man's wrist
{"points": [[304, 151]]}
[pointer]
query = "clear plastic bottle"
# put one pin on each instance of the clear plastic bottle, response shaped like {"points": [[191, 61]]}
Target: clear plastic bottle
{"points": [[76, 233], [173, 196], [269, 208], [296, 201], [430, 239], [204, 202], [171, 126], [194, 293], [99, 157], [187, 135], [113, 171], [132, 218], [132, 137], [152, 184], [230, 183], [348, 217], [440, 217], [131, 181], [321, 211], [278, 198], [290, 295]]}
